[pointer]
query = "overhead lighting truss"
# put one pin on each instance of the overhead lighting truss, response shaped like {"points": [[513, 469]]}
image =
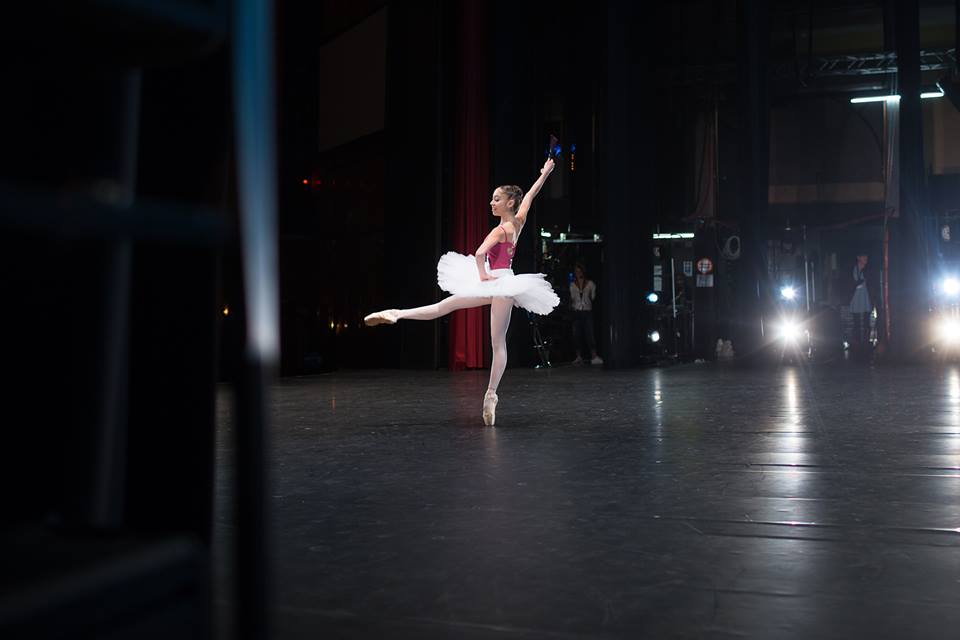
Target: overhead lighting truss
{"points": [[868, 64]]}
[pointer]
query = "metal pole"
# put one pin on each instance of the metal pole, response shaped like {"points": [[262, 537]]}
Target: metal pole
{"points": [[673, 285], [806, 269], [813, 282], [716, 154], [673, 292]]}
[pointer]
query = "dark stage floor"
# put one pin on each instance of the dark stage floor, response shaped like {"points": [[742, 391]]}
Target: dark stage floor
{"points": [[691, 502]]}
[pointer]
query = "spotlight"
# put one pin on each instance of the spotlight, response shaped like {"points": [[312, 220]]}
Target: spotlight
{"points": [[949, 330], [788, 293], [653, 297], [789, 330], [950, 286], [654, 336]]}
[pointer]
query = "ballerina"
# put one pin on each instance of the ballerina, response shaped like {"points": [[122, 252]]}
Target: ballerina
{"points": [[486, 278]]}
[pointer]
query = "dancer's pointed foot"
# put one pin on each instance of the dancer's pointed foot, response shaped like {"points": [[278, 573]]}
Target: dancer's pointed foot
{"points": [[390, 316], [490, 407]]}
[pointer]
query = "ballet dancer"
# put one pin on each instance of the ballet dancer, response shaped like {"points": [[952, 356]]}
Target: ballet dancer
{"points": [[486, 278]]}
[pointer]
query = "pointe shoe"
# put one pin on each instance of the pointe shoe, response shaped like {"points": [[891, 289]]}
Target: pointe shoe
{"points": [[490, 408], [381, 317]]}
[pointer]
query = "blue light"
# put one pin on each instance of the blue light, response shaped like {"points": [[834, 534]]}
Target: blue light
{"points": [[653, 297], [573, 148]]}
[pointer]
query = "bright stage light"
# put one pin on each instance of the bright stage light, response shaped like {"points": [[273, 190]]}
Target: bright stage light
{"points": [[654, 336], [788, 293], [948, 330], [950, 286], [673, 236], [653, 297], [891, 98], [789, 330], [894, 97]]}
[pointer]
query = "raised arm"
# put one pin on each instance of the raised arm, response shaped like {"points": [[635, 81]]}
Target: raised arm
{"points": [[534, 190], [495, 236]]}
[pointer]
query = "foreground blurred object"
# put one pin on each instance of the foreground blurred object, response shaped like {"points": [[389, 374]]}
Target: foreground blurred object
{"points": [[115, 183]]}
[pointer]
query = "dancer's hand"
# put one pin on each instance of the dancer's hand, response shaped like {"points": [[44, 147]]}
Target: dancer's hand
{"points": [[547, 167], [486, 276]]}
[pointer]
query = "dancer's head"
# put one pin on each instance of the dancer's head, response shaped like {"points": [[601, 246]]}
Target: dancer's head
{"points": [[506, 198], [579, 271]]}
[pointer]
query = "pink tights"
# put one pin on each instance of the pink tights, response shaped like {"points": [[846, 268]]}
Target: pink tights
{"points": [[500, 309]]}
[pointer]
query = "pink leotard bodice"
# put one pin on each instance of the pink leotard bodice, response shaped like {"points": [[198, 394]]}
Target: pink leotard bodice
{"points": [[500, 255]]}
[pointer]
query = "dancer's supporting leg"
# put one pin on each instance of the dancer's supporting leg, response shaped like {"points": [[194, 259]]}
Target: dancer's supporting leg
{"points": [[500, 309]]}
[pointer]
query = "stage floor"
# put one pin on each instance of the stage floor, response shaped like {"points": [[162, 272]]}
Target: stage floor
{"points": [[690, 502]]}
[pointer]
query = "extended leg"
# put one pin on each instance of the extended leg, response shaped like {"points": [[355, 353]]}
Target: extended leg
{"points": [[442, 308], [429, 312]]}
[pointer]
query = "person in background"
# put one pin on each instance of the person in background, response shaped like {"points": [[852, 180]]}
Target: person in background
{"points": [[583, 291], [862, 303]]}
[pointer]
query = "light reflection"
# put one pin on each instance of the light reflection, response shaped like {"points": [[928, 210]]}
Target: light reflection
{"points": [[658, 403], [953, 404], [794, 439], [791, 400], [953, 393], [787, 496]]}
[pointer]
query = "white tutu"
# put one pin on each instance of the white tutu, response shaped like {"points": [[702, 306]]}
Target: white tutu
{"points": [[457, 274]]}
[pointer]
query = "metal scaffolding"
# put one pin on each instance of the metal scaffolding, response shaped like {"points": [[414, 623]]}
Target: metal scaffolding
{"points": [[850, 65], [867, 64]]}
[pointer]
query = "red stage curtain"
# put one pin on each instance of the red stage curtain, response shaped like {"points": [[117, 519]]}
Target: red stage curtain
{"points": [[469, 329]]}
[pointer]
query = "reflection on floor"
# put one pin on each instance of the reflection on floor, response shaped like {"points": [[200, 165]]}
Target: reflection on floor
{"points": [[697, 501]]}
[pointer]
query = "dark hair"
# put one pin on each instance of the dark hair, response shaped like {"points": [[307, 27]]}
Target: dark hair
{"points": [[513, 192], [579, 265]]}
